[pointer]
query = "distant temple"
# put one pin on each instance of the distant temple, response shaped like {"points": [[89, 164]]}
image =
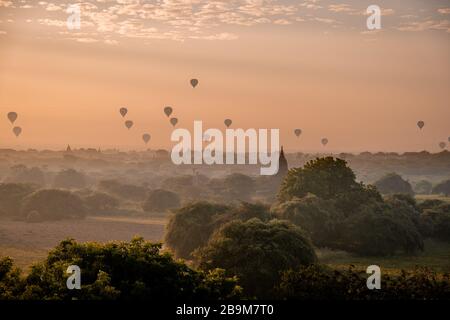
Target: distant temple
{"points": [[68, 148], [282, 165]]}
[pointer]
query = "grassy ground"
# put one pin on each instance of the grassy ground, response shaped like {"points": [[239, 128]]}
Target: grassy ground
{"points": [[435, 256], [28, 243], [422, 197]]}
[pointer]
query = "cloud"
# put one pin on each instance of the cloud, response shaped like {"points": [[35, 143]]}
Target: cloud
{"points": [[444, 11], [425, 25], [341, 8], [6, 4], [53, 7]]}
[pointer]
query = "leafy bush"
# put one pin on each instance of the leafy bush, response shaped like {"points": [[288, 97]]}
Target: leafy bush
{"points": [[11, 283], [316, 216], [191, 226], [323, 177], [135, 270], [393, 183], [52, 204], [11, 197], [238, 186], [69, 179], [325, 200], [22, 174], [318, 282], [256, 252], [100, 202], [379, 230], [160, 200], [125, 191], [442, 188], [423, 187]]}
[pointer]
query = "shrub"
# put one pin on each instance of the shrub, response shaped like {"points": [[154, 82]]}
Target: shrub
{"points": [[379, 230], [238, 186], [423, 187], [393, 183], [256, 252], [69, 179], [11, 197], [191, 226], [11, 283], [323, 177], [318, 282], [52, 204], [135, 270], [160, 200], [22, 174], [316, 216], [100, 202], [442, 188], [125, 191]]}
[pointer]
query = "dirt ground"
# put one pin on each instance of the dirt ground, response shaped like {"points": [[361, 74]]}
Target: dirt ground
{"points": [[27, 243]]}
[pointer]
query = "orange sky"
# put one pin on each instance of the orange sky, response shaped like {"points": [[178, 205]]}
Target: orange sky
{"points": [[361, 91]]}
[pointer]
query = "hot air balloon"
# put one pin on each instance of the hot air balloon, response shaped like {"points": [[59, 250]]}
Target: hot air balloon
{"points": [[146, 137], [420, 124], [298, 132], [442, 145], [194, 83], [123, 111], [17, 131], [228, 122], [324, 141], [173, 121], [168, 111], [128, 124], [12, 116]]}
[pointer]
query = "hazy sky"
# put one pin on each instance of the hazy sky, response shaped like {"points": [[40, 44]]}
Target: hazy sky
{"points": [[302, 64]]}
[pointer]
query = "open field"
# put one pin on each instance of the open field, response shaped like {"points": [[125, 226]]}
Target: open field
{"points": [[422, 197], [29, 242], [436, 256]]}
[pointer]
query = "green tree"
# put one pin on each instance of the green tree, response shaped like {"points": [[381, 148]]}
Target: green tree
{"points": [[11, 197], [318, 282], [11, 282], [393, 183], [423, 187], [135, 270], [52, 204], [256, 252], [323, 177], [191, 226], [442, 188], [100, 202], [160, 200], [69, 179], [316, 216]]}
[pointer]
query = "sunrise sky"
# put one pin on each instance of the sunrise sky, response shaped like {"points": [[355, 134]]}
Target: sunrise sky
{"points": [[302, 64]]}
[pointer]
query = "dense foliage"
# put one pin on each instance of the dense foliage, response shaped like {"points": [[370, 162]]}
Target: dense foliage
{"points": [[53, 204], [442, 188], [11, 197], [393, 183], [318, 282], [191, 226], [256, 252], [135, 270], [347, 215], [68, 179], [160, 200]]}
